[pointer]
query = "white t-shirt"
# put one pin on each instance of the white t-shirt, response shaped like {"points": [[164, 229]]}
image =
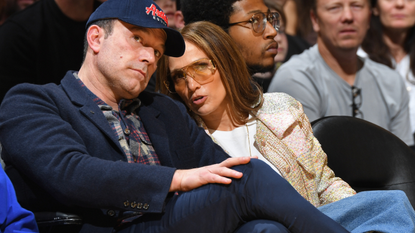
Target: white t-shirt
{"points": [[238, 144]]}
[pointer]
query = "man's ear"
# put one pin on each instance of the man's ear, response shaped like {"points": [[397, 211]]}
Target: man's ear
{"points": [[179, 19], [94, 36], [314, 21]]}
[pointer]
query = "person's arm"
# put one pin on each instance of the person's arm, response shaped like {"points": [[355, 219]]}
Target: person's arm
{"points": [[329, 188], [13, 218], [186, 180], [301, 85], [64, 151], [74, 161]]}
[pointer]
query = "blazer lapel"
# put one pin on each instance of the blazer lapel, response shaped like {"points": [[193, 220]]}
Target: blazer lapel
{"points": [[155, 129], [87, 107]]}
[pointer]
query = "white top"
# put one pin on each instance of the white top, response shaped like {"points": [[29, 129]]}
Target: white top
{"points": [[403, 69], [236, 142]]}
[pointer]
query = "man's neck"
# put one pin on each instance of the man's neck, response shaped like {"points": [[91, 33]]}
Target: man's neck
{"points": [[95, 84], [344, 63], [77, 10]]}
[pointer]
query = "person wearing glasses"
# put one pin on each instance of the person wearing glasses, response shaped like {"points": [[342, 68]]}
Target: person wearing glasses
{"points": [[212, 80], [330, 79], [288, 46], [127, 160], [249, 23]]}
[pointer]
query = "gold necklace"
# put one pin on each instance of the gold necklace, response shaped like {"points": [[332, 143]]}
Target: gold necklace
{"points": [[249, 140]]}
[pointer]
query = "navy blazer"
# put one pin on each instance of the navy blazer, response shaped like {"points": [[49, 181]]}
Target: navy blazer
{"points": [[62, 155]]}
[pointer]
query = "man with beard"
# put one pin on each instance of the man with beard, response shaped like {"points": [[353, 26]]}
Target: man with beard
{"points": [[249, 22], [126, 160], [330, 79]]}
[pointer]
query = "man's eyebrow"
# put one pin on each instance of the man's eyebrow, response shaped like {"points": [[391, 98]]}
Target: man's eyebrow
{"points": [[147, 30], [254, 12]]}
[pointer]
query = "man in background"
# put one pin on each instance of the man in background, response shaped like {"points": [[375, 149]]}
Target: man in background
{"points": [[330, 79], [249, 22]]}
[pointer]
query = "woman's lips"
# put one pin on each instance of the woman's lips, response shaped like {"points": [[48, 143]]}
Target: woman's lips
{"points": [[199, 100], [399, 16]]}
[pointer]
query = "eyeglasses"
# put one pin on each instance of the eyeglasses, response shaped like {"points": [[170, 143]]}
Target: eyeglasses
{"points": [[201, 71], [356, 101], [259, 21]]}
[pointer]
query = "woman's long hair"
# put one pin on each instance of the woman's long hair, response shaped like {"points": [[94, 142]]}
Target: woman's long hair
{"points": [[245, 96], [374, 44]]}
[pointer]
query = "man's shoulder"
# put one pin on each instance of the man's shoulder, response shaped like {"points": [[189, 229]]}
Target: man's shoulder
{"points": [[383, 73], [379, 68], [23, 91], [160, 101], [302, 62], [30, 87], [47, 92]]}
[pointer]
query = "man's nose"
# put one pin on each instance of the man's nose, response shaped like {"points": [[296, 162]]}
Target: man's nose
{"points": [[347, 14], [146, 54], [270, 31]]}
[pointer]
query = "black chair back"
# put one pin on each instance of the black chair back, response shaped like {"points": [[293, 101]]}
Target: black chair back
{"points": [[365, 155]]}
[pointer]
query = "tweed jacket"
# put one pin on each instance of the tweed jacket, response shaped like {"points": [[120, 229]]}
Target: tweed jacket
{"points": [[284, 137]]}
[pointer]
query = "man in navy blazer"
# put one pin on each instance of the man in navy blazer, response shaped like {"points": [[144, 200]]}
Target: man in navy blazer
{"points": [[127, 160]]}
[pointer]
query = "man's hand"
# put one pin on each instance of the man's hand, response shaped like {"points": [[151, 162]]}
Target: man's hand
{"points": [[186, 180]]}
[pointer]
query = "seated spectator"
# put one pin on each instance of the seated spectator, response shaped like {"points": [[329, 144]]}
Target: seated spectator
{"points": [[390, 40], [212, 80], [13, 218], [39, 44], [250, 23], [169, 8], [101, 147], [298, 20], [287, 46], [330, 79]]}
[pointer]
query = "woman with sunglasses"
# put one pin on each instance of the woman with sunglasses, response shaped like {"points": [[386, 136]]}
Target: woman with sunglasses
{"points": [[212, 80]]}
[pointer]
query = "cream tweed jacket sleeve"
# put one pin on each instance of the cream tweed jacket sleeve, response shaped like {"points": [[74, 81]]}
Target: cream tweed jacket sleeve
{"points": [[284, 137]]}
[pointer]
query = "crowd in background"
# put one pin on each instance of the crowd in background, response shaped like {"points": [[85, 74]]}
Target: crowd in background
{"points": [[373, 79]]}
